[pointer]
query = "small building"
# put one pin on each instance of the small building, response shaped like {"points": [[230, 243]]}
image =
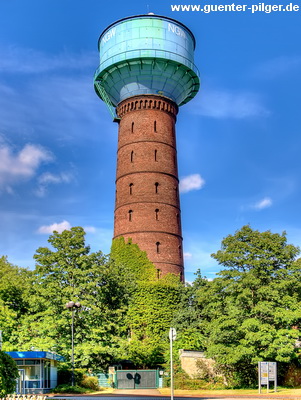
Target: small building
{"points": [[37, 371], [189, 361]]}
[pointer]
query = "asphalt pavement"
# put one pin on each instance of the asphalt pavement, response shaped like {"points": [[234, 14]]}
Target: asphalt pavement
{"points": [[154, 394]]}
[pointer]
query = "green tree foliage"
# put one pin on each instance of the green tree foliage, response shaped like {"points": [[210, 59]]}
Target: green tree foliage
{"points": [[151, 310], [250, 309], [69, 271], [250, 312], [133, 264], [151, 306], [187, 319], [14, 286], [8, 374]]}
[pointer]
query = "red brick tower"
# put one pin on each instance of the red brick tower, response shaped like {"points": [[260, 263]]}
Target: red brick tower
{"points": [[146, 71], [147, 207]]}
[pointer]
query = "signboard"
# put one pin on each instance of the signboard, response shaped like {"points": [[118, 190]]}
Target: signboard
{"points": [[172, 334], [267, 372]]}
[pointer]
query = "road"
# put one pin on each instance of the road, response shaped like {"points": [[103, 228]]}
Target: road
{"points": [[154, 394]]}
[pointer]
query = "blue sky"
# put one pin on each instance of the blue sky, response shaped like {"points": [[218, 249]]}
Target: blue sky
{"points": [[238, 141]]}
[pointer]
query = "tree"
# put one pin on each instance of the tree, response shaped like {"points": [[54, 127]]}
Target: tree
{"points": [[15, 284], [8, 374], [189, 316], [251, 308], [69, 271]]}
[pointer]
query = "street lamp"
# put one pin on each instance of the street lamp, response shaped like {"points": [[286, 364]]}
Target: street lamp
{"points": [[72, 306]]}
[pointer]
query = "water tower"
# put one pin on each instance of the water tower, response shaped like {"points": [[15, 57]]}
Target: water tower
{"points": [[146, 72]]}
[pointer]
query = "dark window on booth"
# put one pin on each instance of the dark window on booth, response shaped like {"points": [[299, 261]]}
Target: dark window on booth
{"points": [[32, 362], [132, 156], [155, 126], [156, 153], [130, 215], [158, 247], [131, 188], [132, 129], [156, 187], [157, 213]]}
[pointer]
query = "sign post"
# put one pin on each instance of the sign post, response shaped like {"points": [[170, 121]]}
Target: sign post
{"points": [[172, 337], [267, 372]]}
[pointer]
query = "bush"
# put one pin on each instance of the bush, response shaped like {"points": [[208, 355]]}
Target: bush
{"points": [[183, 381], [8, 374], [65, 376], [90, 382], [238, 376], [82, 382]]}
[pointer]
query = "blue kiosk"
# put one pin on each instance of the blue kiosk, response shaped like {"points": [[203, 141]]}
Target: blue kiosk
{"points": [[37, 371]]}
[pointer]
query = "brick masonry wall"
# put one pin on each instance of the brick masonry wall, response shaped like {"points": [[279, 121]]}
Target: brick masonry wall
{"points": [[147, 206]]}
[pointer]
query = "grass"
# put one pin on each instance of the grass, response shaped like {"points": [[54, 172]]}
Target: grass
{"points": [[86, 393]]}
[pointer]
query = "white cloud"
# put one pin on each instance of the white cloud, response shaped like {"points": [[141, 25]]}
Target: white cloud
{"points": [[58, 227], [279, 66], [22, 165], [62, 226], [226, 104], [187, 255], [70, 107], [264, 203], [90, 229], [48, 178], [191, 182], [30, 61]]}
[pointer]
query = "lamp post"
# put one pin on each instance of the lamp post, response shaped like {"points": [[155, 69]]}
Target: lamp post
{"points": [[72, 306]]}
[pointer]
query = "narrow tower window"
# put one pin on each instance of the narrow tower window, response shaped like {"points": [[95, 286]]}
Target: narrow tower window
{"points": [[157, 214], [155, 126], [158, 247], [156, 153], [132, 156], [176, 192], [132, 127], [156, 187], [180, 250], [131, 188], [130, 215]]}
